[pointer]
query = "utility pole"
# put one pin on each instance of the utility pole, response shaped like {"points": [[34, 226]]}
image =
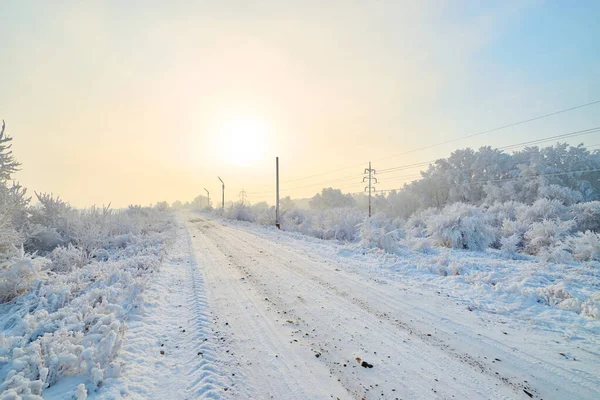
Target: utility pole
{"points": [[243, 196], [223, 196], [208, 193], [277, 223], [370, 188]]}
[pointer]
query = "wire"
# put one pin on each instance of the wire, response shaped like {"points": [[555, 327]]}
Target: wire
{"points": [[563, 136], [453, 140], [325, 182], [494, 130], [324, 173], [548, 139]]}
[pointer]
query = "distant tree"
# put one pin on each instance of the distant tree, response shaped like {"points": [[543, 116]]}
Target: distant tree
{"points": [[162, 205], [286, 204], [177, 205], [331, 198], [8, 164], [13, 198], [200, 202]]}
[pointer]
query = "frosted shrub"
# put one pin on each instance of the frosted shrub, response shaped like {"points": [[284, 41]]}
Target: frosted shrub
{"points": [[543, 209], [53, 213], [461, 226], [43, 239], [562, 194], [9, 237], [92, 228], [587, 216], [416, 225], [291, 219], [554, 294], [341, 223], [511, 244], [18, 274], [544, 234], [239, 212], [498, 212], [265, 216], [513, 227], [74, 323], [584, 246], [420, 244], [380, 232], [66, 259], [591, 307]]}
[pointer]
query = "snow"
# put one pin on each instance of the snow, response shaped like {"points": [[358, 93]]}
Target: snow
{"points": [[203, 307], [345, 301], [66, 319]]}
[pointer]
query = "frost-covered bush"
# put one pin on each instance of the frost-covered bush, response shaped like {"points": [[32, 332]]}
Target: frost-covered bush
{"points": [[587, 216], [67, 259], [499, 212], [240, 212], [379, 231], [18, 273], [43, 239], [543, 209], [292, 219], [340, 223], [563, 194], [545, 234], [265, 216], [512, 244], [461, 226], [9, 237], [416, 225], [73, 323], [584, 246]]}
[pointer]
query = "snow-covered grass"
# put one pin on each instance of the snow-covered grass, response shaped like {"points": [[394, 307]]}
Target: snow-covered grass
{"points": [[64, 315], [547, 228]]}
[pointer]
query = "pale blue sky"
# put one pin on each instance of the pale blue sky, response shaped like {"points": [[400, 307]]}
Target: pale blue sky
{"points": [[122, 101]]}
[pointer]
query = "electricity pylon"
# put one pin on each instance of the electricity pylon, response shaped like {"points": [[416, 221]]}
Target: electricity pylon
{"points": [[370, 188]]}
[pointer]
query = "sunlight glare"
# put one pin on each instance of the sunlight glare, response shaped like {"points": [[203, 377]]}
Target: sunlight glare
{"points": [[243, 141]]}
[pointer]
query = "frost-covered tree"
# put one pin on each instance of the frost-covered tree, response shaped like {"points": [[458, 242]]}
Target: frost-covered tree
{"points": [[286, 203], [13, 198], [8, 164], [331, 198]]}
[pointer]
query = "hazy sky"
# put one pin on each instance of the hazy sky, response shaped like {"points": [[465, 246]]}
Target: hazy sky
{"points": [[142, 101]]}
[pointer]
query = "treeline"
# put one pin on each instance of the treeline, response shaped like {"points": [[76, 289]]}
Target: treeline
{"points": [[538, 201]]}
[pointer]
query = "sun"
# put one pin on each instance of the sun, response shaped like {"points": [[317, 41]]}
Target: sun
{"points": [[243, 141]]}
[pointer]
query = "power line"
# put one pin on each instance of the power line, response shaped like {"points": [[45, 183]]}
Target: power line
{"points": [[326, 182], [424, 163], [495, 129], [511, 146], [563, 136], [456, 139], [324, 173]]}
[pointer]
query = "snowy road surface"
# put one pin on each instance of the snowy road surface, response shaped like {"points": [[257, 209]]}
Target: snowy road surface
{"points": [[259, 314]]}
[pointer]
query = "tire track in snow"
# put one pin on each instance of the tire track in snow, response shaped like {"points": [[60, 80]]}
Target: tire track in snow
{"points": [[463, 343], [269, 365], [205, 378], [414, 366], [170, 350], [250, 245]]}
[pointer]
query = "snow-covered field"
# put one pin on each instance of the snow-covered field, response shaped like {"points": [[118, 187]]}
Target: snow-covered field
{"points": [[64, 328], [229, 309]]}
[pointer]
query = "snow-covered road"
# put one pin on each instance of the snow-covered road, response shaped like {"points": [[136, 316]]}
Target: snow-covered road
{"points": [[270, 316]]}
